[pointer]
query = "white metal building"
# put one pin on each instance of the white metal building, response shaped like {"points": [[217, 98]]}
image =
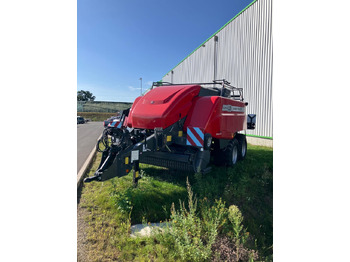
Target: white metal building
{"points": [[241, 53]]}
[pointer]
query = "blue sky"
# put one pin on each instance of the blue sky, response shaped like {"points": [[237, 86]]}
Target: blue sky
{"points": [[120, 41]]}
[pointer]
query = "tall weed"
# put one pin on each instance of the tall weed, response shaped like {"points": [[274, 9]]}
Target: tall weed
{"points": [[190, 238]]}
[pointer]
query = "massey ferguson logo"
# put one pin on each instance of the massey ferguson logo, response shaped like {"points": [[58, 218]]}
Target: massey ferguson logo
{"points": [[229, 108]]}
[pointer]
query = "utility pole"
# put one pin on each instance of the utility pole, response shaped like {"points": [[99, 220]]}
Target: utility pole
{"points": [[141, 84]]}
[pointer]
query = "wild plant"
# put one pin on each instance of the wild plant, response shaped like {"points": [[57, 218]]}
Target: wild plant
{"points": [[240, 235], [189, 236]]}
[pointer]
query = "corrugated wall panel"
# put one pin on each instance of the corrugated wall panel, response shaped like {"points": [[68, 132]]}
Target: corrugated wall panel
{"points": [[198, 67], [244, 58]]}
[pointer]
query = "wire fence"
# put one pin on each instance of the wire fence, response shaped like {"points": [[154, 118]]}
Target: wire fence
{"points": [[101, 106]]}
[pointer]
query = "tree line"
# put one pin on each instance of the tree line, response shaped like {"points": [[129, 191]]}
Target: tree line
{"points": [[85, 96]]}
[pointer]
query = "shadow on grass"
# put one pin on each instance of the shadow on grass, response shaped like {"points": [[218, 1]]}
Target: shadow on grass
{"points": [[166, 175], [151, 199]]}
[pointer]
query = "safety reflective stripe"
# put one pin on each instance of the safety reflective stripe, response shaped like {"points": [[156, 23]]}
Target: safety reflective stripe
{"points": [[195, 137], [199, 135], [114, 122], [189, 141]]}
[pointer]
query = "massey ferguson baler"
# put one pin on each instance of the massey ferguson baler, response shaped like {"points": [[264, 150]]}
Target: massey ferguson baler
{"points": [[177, 126]]}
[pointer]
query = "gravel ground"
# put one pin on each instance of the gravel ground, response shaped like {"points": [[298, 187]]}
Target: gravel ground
{"points": [[81, 235]]}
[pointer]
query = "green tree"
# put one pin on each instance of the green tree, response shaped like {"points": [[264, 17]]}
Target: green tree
{"points": [[85, 96]]}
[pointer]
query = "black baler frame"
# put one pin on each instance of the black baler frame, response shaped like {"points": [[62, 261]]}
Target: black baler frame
{"points": [[222, 84]]}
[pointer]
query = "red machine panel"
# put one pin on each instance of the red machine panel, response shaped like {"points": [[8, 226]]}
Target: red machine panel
{"points": [[219, 116], [162, 106]]}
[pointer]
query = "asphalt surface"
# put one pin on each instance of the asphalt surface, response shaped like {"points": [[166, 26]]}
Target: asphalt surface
{"points": [[88, 134]]}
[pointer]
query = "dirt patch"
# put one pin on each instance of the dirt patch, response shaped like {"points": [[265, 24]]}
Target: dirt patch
{"points": [[225, 249], [81, 235]]}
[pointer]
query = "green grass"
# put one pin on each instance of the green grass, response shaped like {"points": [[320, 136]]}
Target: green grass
{"points": [[95, 116], [114, 204], [102, 106]]}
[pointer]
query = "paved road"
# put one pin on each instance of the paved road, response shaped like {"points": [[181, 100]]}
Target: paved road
{"points": [[87, 138]]}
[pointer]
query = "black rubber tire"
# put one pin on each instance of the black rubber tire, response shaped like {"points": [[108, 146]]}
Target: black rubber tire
{"points": [[231, 152], [218, 157], [242, 146], [207, 141], [217, 154]]}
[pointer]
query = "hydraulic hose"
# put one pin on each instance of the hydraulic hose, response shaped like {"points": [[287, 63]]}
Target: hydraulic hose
{"points": [[110, 136], [104, 140]]}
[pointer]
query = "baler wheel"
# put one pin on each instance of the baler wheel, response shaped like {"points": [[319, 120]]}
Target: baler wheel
{"points": [[232, 152], [218, 154], [242, 146]]}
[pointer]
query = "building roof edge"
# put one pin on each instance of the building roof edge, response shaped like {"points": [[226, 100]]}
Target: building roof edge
{"points": [[212, 36]]}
